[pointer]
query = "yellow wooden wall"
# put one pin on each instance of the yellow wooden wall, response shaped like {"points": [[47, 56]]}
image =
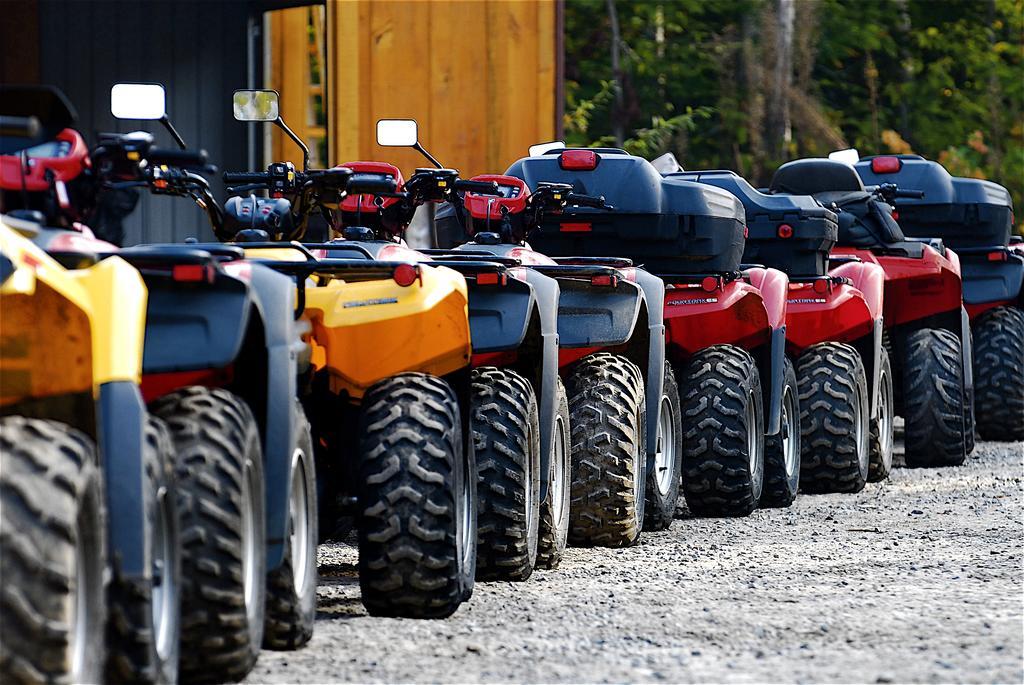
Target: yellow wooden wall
{"points": [[478, 75]]}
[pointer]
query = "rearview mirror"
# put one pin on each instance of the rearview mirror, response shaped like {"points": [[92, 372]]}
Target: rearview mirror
{"points": [[256, 105], [138, 101], [541, 148], [397, 133], [849, 156]]}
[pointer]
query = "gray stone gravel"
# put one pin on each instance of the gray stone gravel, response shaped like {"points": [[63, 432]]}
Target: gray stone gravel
{"points": [[916, 579]]}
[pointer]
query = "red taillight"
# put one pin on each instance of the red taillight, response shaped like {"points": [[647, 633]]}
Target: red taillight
{"points": [[997, 257], [491, 279], [710, 284], [886, 165], [192, 273], [607, 280], [578, 160], [406, 274], [576, 228], [785, 231], [821, 286], [895, 215]]}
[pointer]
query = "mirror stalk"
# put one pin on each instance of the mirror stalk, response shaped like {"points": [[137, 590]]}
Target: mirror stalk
{"points": [[420, 149], [173, 131], [298, 141]]}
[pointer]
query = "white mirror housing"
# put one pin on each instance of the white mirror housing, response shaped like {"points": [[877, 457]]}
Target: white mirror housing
{"points": [[849, 156], [541, 148], [138, 101], [256, 105], [397, 132]]}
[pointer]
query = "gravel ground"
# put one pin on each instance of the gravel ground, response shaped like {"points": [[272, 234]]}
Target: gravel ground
{"points": [[916, 579]]}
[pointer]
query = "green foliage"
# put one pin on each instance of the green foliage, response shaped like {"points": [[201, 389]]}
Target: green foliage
{"points": [[942, 79]]}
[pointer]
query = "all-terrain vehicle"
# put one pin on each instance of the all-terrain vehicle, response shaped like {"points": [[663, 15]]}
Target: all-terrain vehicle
{"points": [[724, 329], [387, 394], [927, 333], [975, 218], [833, 338], [87, 488]]}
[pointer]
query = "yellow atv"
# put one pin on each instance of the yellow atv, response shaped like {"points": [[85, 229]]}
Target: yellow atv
{"points": [[86, 477]]}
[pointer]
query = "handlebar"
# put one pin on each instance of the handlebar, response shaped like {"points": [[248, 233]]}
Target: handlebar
{"points": [[915, 194], [239, 177], [595, 201], [477, 187], [19, 127], [179, 158], [371, 184]]}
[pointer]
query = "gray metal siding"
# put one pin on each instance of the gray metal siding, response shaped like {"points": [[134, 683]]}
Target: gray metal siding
{"points": [[197, 50]]}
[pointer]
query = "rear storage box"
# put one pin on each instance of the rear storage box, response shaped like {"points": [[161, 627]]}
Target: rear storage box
{"points": [[668, 225], [793, 233], [964, 212]]}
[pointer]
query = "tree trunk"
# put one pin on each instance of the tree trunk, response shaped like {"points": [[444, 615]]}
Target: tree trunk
{"points": [[618, 128], [779, 126]]}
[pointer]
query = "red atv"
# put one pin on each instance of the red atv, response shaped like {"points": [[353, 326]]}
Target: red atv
{"points": [[833, 336], [724, 329], [926, 329], [975, 218]]}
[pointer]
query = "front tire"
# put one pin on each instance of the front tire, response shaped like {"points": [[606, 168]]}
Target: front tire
{"points": [[144, 631], [834, 419], [291, 588], [608, 415], [782, 451], [417, 500], [999, 374], [53, 555], [933, 399], [506, 435], [723, 433], [663, 481], [881, 434], [223, 521]]}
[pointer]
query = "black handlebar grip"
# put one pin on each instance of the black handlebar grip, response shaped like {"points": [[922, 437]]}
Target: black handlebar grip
{"points": [[240, 177], [478, 187], [179, 158], [370, 184], [19, 127], [585, 200], [914, 194]]}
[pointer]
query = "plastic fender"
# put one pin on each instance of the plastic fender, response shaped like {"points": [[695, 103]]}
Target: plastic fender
{"points": [[274, 302], [500, 315], [118, 313], [597, 316], [986, 282], [773, 285], [869, 279], [967, 349], [121, 419], [954, 261], [653, 289], [696, 319], [840, 315], [776, 380], [371, 330], [546, 293]]}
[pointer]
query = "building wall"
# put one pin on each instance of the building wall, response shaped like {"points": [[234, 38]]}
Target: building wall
{"points": [[196, 49]]}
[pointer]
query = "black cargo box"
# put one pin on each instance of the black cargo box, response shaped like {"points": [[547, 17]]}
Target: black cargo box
{"points": [[799, 250], [964, 212], [668, 225]]}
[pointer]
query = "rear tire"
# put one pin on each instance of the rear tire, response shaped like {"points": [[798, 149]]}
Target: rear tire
{"points": [[999, 374], [834, 419], [607, 411], [223, 523], [53, 555], [663, 481], [417, 500], [782, 451], [881, 434], [506, 435], [554, 510], [144, 631], [291, 588], [723, 433], [935, 433]]}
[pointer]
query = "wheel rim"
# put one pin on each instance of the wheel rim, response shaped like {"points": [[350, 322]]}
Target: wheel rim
{"points": [[885, 421], [165, 591], [754, 446], [531, 511], [557, 485], [665, 456], [249, 565], [298, 513], [78, 637], [638, 485], [790, 426], [466, 534], [862, 448]]}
